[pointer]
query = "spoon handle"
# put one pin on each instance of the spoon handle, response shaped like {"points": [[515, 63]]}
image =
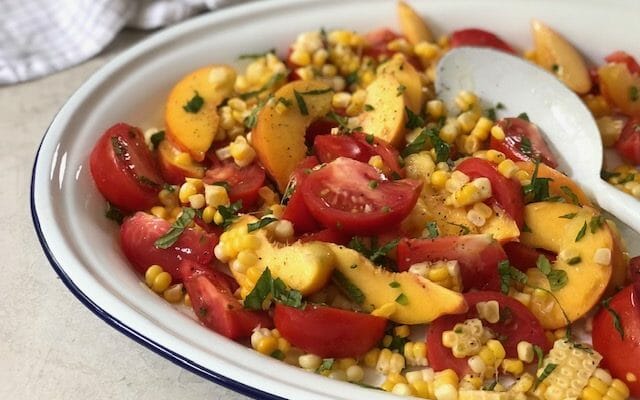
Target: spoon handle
{"points": [[622, 205]]}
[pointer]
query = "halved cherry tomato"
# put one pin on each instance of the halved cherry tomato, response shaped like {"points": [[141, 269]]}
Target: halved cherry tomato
{"points": [[524, 257], [634, 268], [329, 332], [516, 324], [214, 304], [523, 142], [355, 198], [124, 170], [377, 41], [139, 233], [620, 355], [358, 146], [244, 182], [624, 58], [506, 192], [321, 126], [479, 38], [296, 210], [628, 145], [477, 255]]}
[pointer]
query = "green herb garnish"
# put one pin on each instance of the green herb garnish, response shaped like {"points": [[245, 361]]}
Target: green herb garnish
{"points": [[402, 299], [634, 94], [617, 322], [195, 104], [413, 120], [352, 291], [432, 229], [173, 234], [545, 374], [267, 289], [156, 138], [572, 196], [596, 223], [256, 55], [229, 213], [568, 216], [509, 275], [581, 232], [524, 116], [114, 213], [261, 223]]}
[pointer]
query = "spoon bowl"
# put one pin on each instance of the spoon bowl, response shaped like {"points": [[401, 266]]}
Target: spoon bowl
{"points": [[566, 123]]}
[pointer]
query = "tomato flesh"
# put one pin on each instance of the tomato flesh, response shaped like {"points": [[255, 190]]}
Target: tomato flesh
{"points": [[124, 170], [620, 355], [214, 304], [358, 146], [353, 197], [139, 233], [244, 182], [628, 145], [506, 192], [477, 255], [329, 332], [624, 58], [524, 257], [515, 325], [479, 38], [296, 210], [523, 142]]}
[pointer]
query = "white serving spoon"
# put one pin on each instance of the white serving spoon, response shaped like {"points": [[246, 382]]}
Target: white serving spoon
{"points": [[567, 124]]}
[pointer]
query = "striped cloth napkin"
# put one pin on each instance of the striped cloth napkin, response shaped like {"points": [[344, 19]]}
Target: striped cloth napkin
{"points": [[39, 37]]}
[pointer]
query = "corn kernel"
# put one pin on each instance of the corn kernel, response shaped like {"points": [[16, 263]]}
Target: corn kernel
{"points": [[186, 190], [513, 366], [465, 100], [507, 168], [341, 100], [161, 282], [467, 120], [159, 212], [602, 256], [151, 273], [354, 373], [402, 331], [174, 293], [371, 357], [482, 129], [489, 311], [435, 109], [196, 201], [495, 156], [525, 351], [497, 133], [309, 361]]}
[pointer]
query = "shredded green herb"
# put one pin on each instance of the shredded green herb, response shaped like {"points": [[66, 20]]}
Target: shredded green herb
{"points": [[256, 55], [634, 94], [156, 138], [432, 229], [545, 374], [275, 78], [568, 216], [572, 196], [349, 288], [509, 275], [524, 116], [402, 299], [596, 223], [173, 234], [229, 213], [581, 232], [114, 213], [615, 317], [195, 104], [413, 120], [261, 223], [267, 289]]}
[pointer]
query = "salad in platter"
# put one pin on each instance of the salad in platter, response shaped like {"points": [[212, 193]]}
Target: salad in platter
{"points": [[327, 209]]}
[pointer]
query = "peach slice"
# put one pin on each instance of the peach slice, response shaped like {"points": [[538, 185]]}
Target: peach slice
{"points": [[621, 87], [412, 25], [191, 110], [279, 134], [407, 76], [556, 54], [175, 165], [387, 99]]}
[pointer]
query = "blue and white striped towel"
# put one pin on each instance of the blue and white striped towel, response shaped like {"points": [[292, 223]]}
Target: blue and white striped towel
{"points": [[39, 37]]}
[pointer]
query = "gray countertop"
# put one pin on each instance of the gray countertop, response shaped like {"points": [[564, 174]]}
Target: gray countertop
{"points": [[51, 346]]}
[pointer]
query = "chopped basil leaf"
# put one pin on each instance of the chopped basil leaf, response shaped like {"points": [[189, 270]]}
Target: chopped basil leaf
{"points": [[261, 223], [373, 184], [326, 365], [627, 178], [538, 188], [582, 232], [526, 147], [368, 107], [491, 114], [402, 299], [572, 196], [229, 213], [394, 284], [148, 182], [301, 104], [352, 291], [369, 138], [278, 354], [202, 311], [575, 260], [413, 119], [545, 373], [400, 90], [524, 116], [173, 234], [555, 67], [557, 279], [634, 95], [432, 228], [509, 275], [539, 354], [156, 138], [195, 104], [256, 55], [441, 147], [343, 122], [374, 253], [351, 78], [224, 184], [169, 188], [114, 213], [617, 322], [271, 83], [267, 289], [596, 223], [543, 265], [568, 216]]}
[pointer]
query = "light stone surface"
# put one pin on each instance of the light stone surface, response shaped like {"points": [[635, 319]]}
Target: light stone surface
{"points": [[51, 346]]}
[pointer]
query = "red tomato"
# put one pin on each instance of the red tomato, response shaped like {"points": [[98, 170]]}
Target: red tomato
{"points": [[244, 182], [321, 126], [479, 38], [515, 325], [517, 148], [139, 233], [326, 235], [329, 332], [634, 268], [477, 255], [524, 257], [214, 304], [296, 210], [628, 145], [377, 41], [358, 146], [624, 58], [353, 197], [124, 170], [506, 192], [620, 355]]}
